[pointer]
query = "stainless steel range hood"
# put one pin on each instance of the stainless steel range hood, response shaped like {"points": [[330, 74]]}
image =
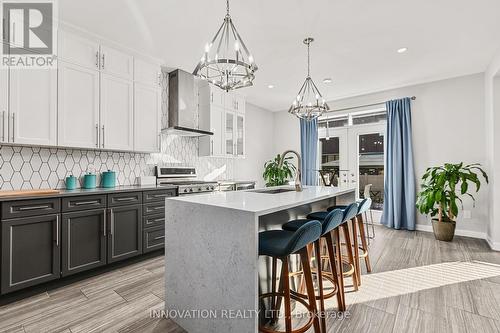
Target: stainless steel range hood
{"points": [[183, 105]]}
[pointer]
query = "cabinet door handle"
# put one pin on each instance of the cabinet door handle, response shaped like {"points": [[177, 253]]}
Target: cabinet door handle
{"points": [[97, 135], [97, 59], [13, 126], [104, 222], [211, 147], [3, 126], [159, 237], [102, 136], [112, 218], [161, 195], [102, 61], [23, 209], [57, 230]]}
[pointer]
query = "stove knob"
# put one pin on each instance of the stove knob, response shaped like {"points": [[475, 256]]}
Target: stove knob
{"points": [[190, 190], [200, 189], [185, 190], [208, 188]]}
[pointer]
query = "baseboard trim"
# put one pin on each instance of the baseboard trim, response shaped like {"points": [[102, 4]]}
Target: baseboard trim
{"points": [[495, 246], [458, 232]]}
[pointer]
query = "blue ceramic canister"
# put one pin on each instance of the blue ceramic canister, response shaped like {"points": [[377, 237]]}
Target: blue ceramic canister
{"points": [[71, 182], [108, 179], [89, 180]]}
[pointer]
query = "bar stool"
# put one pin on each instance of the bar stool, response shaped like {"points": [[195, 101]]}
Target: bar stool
{"points": [[329, 227], [364, 206], [349, 215], [280, 244]]}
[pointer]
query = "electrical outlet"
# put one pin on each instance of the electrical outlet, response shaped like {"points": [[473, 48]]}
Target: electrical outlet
{"points": [[467, 214]]}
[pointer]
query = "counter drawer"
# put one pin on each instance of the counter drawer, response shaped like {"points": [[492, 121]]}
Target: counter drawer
{"points": [[154, 238], [71, 204], [127, 198], [154, 208], [153, 221], [159, 195], [25, 208]]}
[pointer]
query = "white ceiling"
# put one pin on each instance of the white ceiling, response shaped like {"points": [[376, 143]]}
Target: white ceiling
{"points": [[356, 40]]}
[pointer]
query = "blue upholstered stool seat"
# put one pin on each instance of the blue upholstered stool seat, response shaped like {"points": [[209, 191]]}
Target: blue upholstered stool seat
{"points": [[331, 221], [281, 243], [343, 207], [317, 215]]}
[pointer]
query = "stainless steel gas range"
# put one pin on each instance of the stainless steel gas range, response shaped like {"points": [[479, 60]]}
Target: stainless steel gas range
{"points": [[185, 179]]}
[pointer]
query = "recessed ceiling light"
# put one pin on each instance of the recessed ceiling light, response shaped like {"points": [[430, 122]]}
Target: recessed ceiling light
{"points": [[271, 86], [327, 80], [402, 50]]}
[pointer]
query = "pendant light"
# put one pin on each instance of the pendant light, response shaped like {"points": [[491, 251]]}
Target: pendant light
{"points": [[309, 103], [226, 62]]}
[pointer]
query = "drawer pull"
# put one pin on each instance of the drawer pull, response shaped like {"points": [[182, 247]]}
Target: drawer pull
{"points": [[81, 203], [126, 199], [159, 237], [23, 209], [161, 195], [155, 208]]}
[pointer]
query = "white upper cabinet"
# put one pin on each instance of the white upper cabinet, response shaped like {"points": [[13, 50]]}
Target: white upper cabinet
{"points": [[235, 103], [116, 113], [78, 106], [78, 50], [147, 112], [115, 62], [146, 73], [4, 104], [33, 106]]}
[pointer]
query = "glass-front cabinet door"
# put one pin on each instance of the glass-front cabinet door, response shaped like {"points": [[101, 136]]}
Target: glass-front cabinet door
{"points": [[240, 135], [229, 134]]}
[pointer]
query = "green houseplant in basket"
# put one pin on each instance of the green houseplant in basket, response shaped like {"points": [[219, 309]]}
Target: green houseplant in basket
{"points": [[441, 193], [274, 175]]}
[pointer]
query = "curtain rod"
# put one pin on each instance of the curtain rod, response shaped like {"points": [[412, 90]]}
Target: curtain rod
{"points": [[362, 106]]}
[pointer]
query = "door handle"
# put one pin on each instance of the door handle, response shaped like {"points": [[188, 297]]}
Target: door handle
{"points": [[125, 199], [57, 230], [13, 126], [3, 126], [102, 61], [97, 135], [97, 59], [104, 222], [211, 147], [112, 218], [102, 136], [159, 237]]}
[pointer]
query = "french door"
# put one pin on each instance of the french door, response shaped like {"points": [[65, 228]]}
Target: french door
{"points": [[355, 154]]}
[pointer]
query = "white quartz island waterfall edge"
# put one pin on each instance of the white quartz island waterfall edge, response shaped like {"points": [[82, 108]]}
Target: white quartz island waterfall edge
{"points": [[211, 252]]}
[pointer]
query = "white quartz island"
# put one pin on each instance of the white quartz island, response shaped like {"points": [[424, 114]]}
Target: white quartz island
{"points": [[211, 252]]}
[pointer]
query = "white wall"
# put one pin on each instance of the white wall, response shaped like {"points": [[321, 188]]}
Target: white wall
{"points": [[259, 149], [492, 111], [448, 126]]}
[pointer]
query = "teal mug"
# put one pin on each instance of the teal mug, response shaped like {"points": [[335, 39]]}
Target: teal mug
{"points": [[71, 182]]}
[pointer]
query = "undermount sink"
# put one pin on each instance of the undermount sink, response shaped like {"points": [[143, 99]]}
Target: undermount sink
{"points": [[274, 191]]}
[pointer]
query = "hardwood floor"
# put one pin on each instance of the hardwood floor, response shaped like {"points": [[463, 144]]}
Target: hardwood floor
{"points": [[417, 284]]}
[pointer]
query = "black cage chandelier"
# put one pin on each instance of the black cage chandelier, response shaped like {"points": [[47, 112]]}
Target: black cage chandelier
{"points": [[309, 103], [227, 63]]}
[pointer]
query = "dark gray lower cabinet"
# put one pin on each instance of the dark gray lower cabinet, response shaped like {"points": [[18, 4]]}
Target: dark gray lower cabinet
{"points": [[124, 232], [83, 240], [30, 251], [154, 238]]}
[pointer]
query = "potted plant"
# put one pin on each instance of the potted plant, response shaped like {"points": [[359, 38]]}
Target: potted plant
{"points": [[441, 191], [274, 175]]}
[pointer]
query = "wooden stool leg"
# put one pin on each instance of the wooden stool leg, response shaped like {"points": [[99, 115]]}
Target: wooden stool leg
{"points": [[333, 265], [345, 229], [354, 223], [277, 309], [319, 267], [286, 290], [304, 257], [273, 288], [364, 244], [338, 249]]}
